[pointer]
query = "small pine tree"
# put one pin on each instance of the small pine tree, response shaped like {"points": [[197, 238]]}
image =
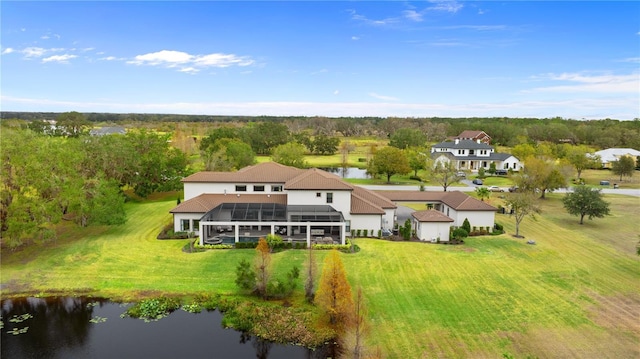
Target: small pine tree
{"points": [[263, 268], [466, 225], [334, 292]]}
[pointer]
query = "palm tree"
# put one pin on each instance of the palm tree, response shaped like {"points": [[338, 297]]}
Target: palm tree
{"points": [[483, 192]]}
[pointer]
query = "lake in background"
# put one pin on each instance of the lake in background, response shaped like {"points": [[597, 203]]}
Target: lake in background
{"points": [[63, 328], [348, 172]]}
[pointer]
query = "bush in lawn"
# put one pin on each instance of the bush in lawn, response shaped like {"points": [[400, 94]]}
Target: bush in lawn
{"points": [[460, 233], [365, 232], [282, 289], [405, 230], [274, 241]]}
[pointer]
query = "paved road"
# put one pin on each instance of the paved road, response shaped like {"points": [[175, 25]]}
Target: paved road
{"points": [[471, 187]]}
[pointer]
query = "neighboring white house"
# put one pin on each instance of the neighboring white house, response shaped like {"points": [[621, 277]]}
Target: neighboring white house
{"points": [[269, 197], [613, 154], [445, 209], [473, 155]]}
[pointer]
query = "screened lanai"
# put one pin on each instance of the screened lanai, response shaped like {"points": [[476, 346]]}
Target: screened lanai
{"points": [[247, 222]]}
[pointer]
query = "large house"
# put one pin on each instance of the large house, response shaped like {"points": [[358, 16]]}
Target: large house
{"points": [[273, 198], [474, 136], [472, 155], [307, 205]]}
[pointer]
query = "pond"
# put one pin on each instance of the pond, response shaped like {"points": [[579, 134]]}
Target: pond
{"points": [[348, 172], [69, 327]]}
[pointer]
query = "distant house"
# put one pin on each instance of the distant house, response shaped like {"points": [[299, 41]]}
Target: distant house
{"points": [[110, 130], [474, 136], [472, 155], [444, 210], [610, 155]]}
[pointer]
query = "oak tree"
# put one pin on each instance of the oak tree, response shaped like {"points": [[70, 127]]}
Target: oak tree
{"points": [[584, 201]]}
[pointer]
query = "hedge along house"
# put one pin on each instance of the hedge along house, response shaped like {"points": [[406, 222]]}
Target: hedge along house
{"points": [[301, 205], [443, 211]]}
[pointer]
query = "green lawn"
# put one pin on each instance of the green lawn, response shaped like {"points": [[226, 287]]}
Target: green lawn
{"points": [[574, 294]]}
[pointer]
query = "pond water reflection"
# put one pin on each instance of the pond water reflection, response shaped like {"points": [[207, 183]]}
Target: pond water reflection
{"points": [[90, 328], [348, 172]]}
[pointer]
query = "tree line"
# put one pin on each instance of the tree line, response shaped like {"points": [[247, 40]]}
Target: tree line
{"points": [[68, 175], [604, 133]]}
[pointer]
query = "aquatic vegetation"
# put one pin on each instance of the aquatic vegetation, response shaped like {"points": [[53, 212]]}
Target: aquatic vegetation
{"points": [[98, 319], [16, 331], [20, 318]]}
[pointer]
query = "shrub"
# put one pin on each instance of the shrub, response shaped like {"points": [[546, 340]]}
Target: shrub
{"points": [[245, 275], [379, 233], [460, 233], [480, 232], [415, 178], [246, 245], [283, 289], [274, 241], [353, 233], [405, 230], [365, 232]]}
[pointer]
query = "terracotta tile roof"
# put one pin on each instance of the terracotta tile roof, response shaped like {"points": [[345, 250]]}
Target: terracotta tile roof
{"points": [[315, 179], [359, 205], [454, 199], [373, 197], [472, 134], [431, 215], [208, 201], [267, 172]]}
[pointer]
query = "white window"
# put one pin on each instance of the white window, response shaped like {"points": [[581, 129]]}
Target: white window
{"points": [[185, 225], [329, 197]]}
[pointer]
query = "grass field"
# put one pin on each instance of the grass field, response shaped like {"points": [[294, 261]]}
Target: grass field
{"points": [[575, 294]]}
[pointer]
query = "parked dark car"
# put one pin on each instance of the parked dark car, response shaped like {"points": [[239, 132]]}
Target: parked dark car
{"points": [[477, 181], [502, 172], [604, 183], [513, 189]]}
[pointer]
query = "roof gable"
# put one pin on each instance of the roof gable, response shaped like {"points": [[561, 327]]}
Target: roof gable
{"points": [[454, 199], [315, 179], [267, 172], [431, 215]]}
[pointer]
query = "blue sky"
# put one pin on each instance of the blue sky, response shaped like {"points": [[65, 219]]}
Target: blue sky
{"points": [[575, 59]]}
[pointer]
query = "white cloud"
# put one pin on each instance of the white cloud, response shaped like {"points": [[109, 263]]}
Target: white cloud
{"points": [[445, 5], [8, 50], [382, 97], [635, 60], [412, 15], [576, 82], [44, 37], [355, 38], [336, 92], [109, 58], [59, 58], [187, 62], [33, 51], [189, 70], [321, 71]]}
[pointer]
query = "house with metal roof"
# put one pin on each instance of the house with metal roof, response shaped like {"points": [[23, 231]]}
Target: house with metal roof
{"points": [[308, 205], [610, 155], [472, 155]]}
